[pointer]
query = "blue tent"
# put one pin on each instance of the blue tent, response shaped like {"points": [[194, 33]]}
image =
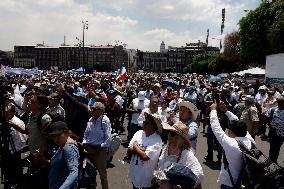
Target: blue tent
{"points": [[79, 70]]}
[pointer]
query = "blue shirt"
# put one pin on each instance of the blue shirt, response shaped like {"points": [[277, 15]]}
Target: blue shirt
{"points": [[98, 132], [193, 133], [64, 168]]}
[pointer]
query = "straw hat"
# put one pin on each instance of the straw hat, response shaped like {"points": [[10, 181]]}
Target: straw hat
{"points": [[180, 129], [195, 112], [157, 120]]}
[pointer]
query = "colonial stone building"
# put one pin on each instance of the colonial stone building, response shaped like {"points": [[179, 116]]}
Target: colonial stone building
{"points": [[174, 59], [100, 58]]}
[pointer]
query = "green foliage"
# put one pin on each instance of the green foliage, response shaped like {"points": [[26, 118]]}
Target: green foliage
{"points": [[212, 64], [275, 35], [232, 47], [260, 32]]}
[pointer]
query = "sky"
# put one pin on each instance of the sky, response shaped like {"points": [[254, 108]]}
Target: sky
{"points": [[140, 24]]}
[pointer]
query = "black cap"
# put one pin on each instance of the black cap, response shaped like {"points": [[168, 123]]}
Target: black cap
{"points": [[57, 127]]}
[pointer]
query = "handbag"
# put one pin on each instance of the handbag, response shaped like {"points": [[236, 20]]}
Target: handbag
{"points": [[87, 174]]}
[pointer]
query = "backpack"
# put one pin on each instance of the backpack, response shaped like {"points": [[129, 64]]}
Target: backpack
{"points": [[258, 171]]}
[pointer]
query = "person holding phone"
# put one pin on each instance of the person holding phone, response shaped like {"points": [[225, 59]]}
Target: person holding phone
{"points": [[138, 104]]}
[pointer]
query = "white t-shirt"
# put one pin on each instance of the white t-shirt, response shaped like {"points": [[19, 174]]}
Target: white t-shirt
{"points": [[19, 100], [136, 106], [260, 99], [141, 172], [165, 114], [187, 159], [19, 139]]}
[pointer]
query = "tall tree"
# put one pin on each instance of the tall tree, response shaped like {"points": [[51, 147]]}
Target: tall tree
{"points": [[255, 39], [232, 47]]}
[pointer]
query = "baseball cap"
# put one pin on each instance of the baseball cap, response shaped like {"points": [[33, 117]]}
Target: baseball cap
{"points": [[57, 127]]}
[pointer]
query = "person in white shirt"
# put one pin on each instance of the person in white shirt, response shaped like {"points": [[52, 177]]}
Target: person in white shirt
{"points": [[137, 106], [152, 109], [174, 102], [277, 93], [188, 113], [261, 96], [177, 151], [165, 110], [19, 139], [237, 130], [144, 148], [191, 95]]}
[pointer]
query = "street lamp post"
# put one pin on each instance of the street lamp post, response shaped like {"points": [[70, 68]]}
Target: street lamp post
{"points": [[85, 27]]}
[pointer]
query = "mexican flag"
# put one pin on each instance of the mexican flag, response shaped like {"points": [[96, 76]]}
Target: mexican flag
{"points": [[121, 74]]}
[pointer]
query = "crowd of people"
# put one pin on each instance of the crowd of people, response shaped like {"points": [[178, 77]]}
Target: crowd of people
{"points": [[65, 118]]}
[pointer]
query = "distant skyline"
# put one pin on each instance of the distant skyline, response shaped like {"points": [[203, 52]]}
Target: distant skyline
{"points": [[141, 24]]}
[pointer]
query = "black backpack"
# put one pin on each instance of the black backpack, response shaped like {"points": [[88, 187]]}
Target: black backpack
{"points": [[258, 171]]}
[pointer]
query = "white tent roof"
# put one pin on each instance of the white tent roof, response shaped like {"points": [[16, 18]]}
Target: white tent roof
{"points": [[255, 70]]}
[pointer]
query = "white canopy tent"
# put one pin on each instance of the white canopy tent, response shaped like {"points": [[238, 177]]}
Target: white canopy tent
{"points": [[254, 71]]}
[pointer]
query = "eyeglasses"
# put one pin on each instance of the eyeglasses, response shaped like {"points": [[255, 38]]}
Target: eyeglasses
{"points": [[172, 134]]}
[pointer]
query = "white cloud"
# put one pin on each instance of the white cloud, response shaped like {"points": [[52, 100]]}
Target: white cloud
{"points": [[31, 22], [141, 24]]}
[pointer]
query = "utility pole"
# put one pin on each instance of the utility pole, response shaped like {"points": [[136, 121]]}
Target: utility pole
{"points": [[85, 27], [223, 21]]}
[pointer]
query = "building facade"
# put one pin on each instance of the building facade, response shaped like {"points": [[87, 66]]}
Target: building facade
{"points": [[6, 58], [24, 56], [131, 60], [174, 59], [152, 61], [100, 58]]}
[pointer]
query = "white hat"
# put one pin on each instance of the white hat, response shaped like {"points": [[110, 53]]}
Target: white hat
{"points": [[23, 89], [157, 85], [141, 95], [195, 112], [262, 87], [249, 98]]}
